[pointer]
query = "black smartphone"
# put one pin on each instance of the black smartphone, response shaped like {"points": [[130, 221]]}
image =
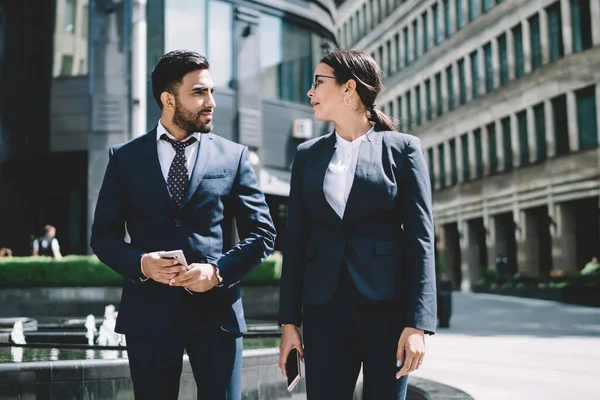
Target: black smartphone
{"points": [[292, 369]]}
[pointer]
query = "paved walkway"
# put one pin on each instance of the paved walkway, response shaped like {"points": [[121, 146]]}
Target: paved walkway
{"points": [[510, 348]]}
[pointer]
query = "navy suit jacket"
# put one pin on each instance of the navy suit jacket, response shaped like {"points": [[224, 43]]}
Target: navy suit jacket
{"points": [[134, 193], [385, 237]]}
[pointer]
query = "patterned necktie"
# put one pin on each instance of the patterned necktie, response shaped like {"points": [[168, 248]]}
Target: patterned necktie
{"points": [[177, 181]]}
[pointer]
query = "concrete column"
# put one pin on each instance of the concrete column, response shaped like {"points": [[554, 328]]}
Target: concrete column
{"points": [[572, 121], [527, 244], [459, 159], [394, 54], [499, 146], [421, 47], [468, 77], [595, 17], [456, 84], [430, 30], [473, 166], [496, 63], [434, 99], [442, 19], [514, 140], [526, 45], [453, 22], [384, 62], [465, 12], [489, 224], [510, 54], [564, 238], [411, 54], [567, 32], [531, 135], [544, 36], [485, 149], [436, 167], [423, 104], [549, 121], [481, 67], [402, 49], [598, 110]]}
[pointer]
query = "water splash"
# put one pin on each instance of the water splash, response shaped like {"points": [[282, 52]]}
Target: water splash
{"points": [[90, 326], [107, 335]]}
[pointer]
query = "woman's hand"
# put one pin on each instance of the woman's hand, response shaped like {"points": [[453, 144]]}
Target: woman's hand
{"points": [[412, 341], [290, 339]]}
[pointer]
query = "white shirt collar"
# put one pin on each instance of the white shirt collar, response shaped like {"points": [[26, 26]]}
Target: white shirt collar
{"points": [[160, 129], [343, 143]]}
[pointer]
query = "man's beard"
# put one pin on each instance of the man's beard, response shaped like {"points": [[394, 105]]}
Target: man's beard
{"points": [[188, 121]]}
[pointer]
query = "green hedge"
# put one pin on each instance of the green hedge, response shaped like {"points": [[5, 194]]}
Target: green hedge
{"points": [[73, 271]]}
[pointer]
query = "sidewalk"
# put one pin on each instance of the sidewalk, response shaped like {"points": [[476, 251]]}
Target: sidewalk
{"points": [[510, 348]]}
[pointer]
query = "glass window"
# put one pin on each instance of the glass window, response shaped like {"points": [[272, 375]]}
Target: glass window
{"points": [[523, 140], [220, 42], [69, 16], [437, 32], [297, 68], [503, 57], [587, 117], [391, 109], [581, 23], [472, 9], [453, 163], [431, 160], [398, 52], [408, 110], [429, 108], [447, 18], [462, 81], [372, 12], [66, 65], [442, 164], [425, 24], [555, 32], [389, 65], [406, 47], [519, 54], [418, 105], [492, 148], [351, 31], [507, 143], [450, 86], [475, 74], [535, 42], [460, 19], [539, 116], [478, 153], [466, 162], [380, 58], [415, 26], [489, 67], [185, 26], [486, 5], [379, 11], [561, 125], [402, 126], [271, 55], [438, 94]]}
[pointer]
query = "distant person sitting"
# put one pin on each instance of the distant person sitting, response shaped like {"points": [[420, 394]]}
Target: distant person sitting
{"points": [[501, 265], [591, 268], [47, 245], [5, 252]]}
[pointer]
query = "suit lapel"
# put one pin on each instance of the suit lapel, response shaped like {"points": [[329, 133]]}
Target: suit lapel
{"points": [[321, 165], [155, 173], [369, 155], [200, 163]]}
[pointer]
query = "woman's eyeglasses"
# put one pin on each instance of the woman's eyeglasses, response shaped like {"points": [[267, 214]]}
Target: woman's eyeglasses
{"points": [[314, 85]]}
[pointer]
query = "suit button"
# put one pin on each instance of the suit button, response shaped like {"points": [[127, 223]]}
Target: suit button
{"points": [[178, 223]]}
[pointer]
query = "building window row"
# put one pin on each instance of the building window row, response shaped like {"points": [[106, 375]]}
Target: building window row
{"points": [[512, 54], [554, 127]]}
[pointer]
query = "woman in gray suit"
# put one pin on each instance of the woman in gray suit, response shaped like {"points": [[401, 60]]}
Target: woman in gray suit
{"points": [[358, 269]]}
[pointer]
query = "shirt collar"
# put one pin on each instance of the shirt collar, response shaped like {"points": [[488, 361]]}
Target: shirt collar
{"points": [[343, 143], [160, 129]]}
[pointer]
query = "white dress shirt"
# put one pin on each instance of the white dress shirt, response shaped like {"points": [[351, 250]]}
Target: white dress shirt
{"points": [[166, 152], [340, 173]]}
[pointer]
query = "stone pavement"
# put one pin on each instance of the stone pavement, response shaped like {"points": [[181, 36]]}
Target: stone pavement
{"points": [[500, 347]]}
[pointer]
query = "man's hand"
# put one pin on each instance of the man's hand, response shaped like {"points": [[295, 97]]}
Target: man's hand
{"points": [[290, 339], [198, 278], [412, 341], [160, 269]]}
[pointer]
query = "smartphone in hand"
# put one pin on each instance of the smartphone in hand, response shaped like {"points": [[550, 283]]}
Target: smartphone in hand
{"points": [[292, 369], [177, 255]]}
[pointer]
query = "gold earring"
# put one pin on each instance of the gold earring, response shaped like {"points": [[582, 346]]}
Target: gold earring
{"points": [[349, 101]]}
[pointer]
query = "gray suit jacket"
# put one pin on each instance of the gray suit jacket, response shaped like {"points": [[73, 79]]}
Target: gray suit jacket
{"points": [[385, 236]]}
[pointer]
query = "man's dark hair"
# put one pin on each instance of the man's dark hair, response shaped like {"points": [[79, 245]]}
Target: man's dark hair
{"points": [[168, 73]]}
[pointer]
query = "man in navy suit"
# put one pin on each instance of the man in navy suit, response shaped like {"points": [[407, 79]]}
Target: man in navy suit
{"points": [[180, 187]]}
